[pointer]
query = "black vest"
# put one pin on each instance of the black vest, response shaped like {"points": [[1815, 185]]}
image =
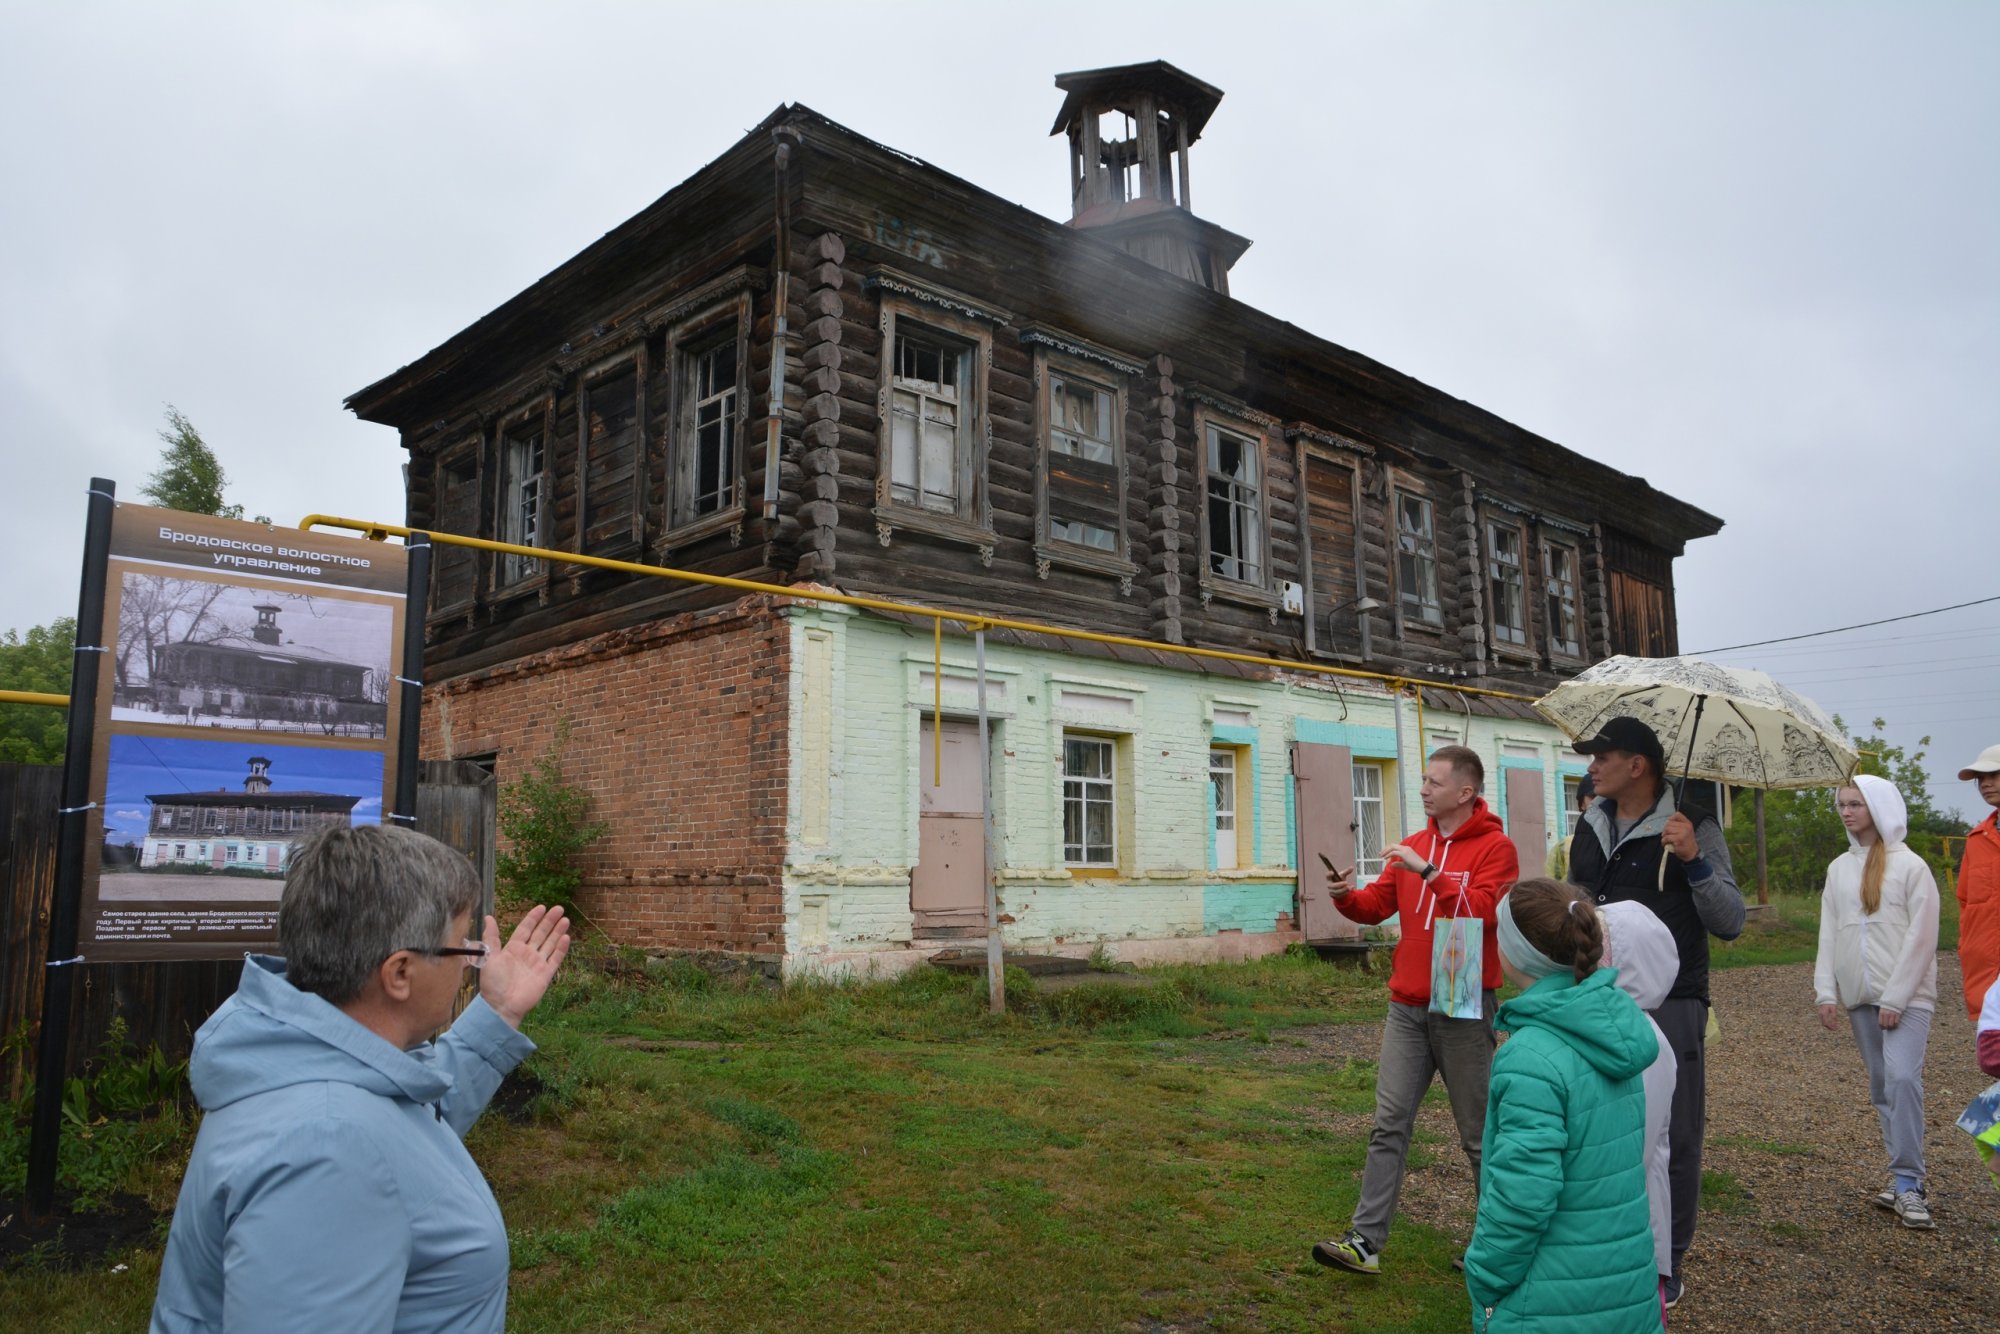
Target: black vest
{"points": [[1633, 873]]}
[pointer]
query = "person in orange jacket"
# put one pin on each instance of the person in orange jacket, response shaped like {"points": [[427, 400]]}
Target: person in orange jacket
{"points": [[1458, 866], [1979, 888]]}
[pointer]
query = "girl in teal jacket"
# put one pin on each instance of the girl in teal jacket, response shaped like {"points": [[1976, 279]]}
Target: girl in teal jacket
{"points": [[1563, 1240]]}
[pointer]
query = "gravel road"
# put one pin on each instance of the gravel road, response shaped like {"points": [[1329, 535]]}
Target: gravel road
{"points": [[1787, 1239]]}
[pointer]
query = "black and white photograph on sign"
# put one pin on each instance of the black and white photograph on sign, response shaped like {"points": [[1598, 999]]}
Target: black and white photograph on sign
{"points": [[206, 654], [216, 820]]}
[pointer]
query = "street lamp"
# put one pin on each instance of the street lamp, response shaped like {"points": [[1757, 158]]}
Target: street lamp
{"points": [[1360, 606]]}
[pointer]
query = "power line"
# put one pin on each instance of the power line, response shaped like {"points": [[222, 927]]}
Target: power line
{"points": [[1841, 630], [1891, 642]]}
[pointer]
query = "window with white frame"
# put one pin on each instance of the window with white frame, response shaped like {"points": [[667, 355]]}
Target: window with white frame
{"points": [[1235, 507], [1416, 560], [1559, 586], [1089, 800], [1222, 789], [1572, 802], [1508, 583], [1084, 492], [523, 465], [929, 422], [1369, 826], [705, 464]]}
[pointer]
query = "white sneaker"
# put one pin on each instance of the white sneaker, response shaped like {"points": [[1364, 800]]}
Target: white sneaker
{"points": [[1913, 1209]]}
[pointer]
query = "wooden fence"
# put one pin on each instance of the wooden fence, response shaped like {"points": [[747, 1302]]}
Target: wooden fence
{"points": [[161, 1003]]}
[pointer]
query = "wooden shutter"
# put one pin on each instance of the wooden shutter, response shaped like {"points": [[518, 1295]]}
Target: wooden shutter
{"points": [[611, 461], [1323, 783]]}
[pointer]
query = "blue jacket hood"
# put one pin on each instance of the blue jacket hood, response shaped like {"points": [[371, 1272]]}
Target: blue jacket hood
{"points": [[1593, 1018], [271, 1035]]}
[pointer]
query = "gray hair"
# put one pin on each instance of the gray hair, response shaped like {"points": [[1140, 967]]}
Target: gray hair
{"points": [[354, 895]]}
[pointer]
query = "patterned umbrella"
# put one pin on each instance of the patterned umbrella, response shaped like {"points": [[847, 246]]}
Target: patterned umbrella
{"points": [[1729, 724]]}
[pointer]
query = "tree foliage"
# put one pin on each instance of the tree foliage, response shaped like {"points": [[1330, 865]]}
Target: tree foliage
{"points": [[190, 478], [37, 661], [543, 817], [1802, 831]]}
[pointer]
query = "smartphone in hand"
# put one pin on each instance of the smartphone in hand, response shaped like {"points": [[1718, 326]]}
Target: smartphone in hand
{"points": [[1347, 875]]}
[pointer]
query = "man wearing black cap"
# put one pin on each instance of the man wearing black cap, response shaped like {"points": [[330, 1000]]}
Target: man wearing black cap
{"points": [[1635, 844]]}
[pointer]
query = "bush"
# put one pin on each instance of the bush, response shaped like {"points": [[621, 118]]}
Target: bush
{"points": [[543, 817]]}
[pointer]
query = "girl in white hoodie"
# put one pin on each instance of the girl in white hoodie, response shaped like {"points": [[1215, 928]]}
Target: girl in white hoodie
{"points": [[1878, 929]]}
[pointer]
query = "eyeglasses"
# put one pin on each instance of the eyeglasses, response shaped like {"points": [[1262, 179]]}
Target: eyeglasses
{"points": [[473, 951]]}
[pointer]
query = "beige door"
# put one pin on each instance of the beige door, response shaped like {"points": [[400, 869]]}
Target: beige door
{"points": [[1527, 823], [1323, 783], [948, 883]]}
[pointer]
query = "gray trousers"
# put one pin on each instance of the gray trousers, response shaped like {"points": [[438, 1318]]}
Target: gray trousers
{"points": [[1416, 1045], [1895, 1061], [1685, 1022]]}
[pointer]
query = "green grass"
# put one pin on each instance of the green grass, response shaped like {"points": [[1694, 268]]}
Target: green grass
{"points": [[710, 1152], [1778, 1147], [1722, 1193]]}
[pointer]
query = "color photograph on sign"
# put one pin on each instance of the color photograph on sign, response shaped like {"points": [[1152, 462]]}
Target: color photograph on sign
{"points": [[248, 697], [211, 820]]}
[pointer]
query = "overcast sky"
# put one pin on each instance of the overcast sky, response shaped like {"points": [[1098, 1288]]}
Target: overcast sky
{"points": [[1748, 251]]}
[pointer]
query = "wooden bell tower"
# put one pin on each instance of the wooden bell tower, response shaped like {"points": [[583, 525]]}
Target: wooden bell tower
{"points": [[1130, 128]]}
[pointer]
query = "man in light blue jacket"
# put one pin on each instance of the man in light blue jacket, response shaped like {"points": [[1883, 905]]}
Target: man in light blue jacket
{"points": [[329, 1187]]}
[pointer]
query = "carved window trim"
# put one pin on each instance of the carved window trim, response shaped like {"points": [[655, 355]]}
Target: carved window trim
{"points": [[633, 356], [685, 341], [1493, 526], [1406, 620], [971, 523], [540, 411], [466, 451], [1258, 430], [1050, 550], [1577, 649]]}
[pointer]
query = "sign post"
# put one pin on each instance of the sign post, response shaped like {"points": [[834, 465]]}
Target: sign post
{"points": [[58, 988]]}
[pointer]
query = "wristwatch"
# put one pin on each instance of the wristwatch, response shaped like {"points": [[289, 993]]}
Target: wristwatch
{"points": [[1429, 869]]}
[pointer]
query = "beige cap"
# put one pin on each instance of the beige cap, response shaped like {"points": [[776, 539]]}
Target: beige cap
{"points": [[1987, 763]]}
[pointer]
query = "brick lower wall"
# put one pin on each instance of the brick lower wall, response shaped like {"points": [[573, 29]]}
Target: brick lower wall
{"points": [[678, 731]]}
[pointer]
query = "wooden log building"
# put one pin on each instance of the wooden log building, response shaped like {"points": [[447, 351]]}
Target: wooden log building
{"points": [[822, 361]]}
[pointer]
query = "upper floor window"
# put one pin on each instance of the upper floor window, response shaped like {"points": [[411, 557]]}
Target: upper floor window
{"points": [[1235, 506], [1507, 582], [1084, 491], [523, 468], [1416, 560], [1559, 569], [455, 509], [929, 423], [611, 457], [705, 465]]}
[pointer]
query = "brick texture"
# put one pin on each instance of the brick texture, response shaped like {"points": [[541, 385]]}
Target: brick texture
{"points": [[678, 729]]}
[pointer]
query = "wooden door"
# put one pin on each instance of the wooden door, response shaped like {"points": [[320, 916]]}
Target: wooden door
{"points": [[948, 883], [1527, 820], [1323, 787]]}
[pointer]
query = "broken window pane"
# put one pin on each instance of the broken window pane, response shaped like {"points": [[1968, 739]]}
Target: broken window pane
{"points": [[1416, 560], [1235, 508]]}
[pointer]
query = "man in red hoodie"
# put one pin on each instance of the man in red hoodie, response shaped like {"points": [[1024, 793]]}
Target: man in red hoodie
{"points": [[1458, 867]]}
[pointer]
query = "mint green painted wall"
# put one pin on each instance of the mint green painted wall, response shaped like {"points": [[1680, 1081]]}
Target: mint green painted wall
{"points": [[857, 879]]}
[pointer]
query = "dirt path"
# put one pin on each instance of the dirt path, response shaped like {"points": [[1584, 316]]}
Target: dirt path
{"points": [[1787, 1238]]}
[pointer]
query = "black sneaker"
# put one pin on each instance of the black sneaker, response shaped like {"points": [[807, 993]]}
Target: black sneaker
{"points": [[1671, 1288], [1351, 1252]]}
